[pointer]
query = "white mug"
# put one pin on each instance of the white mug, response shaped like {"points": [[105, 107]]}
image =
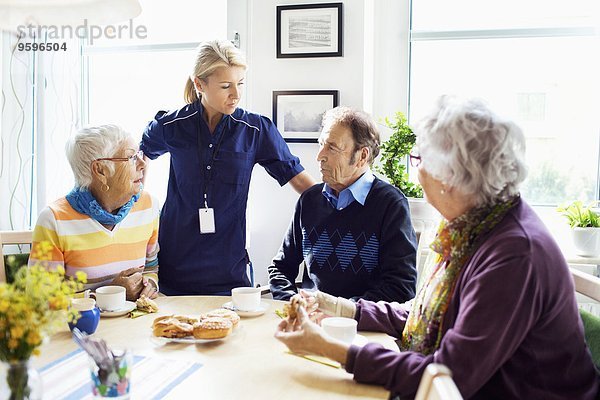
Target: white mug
{"points": [[341, 328], [110, 298], [246, 298]]}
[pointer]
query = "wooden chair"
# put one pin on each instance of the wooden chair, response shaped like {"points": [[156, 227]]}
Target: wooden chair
{"points": [[586, 284], [589, 285], [437, 384], [425, 220], [15, 238]]}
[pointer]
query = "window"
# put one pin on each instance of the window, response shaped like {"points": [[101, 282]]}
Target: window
{"points": [[129, 80], [536, 62]]}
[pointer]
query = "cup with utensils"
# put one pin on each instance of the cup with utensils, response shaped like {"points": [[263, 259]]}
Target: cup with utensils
{"points": [[110, 368]]}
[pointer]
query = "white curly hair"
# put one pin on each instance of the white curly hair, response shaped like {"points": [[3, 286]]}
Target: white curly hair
{"points": [[467, 146], [89, 144]]}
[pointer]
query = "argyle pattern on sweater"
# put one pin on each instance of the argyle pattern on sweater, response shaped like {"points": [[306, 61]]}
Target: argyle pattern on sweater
{"points": [[340, 250]]}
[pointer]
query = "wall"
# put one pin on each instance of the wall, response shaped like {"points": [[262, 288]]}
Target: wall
{"points": [[368, 76]]}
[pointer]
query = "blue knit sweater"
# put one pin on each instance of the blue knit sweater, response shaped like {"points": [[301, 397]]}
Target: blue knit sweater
{"points": [[359, 252]]}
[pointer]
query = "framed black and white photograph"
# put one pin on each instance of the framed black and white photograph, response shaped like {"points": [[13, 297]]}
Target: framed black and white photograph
{"points": [[298, 113], [309, 30]]}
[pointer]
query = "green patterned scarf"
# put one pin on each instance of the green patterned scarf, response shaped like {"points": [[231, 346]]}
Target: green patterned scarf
{"points": [[454, 244]]}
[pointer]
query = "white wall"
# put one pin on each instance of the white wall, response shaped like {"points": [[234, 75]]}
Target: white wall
{"points": [[368, 76]]}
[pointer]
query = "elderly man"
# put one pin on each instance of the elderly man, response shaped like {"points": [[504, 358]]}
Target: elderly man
{"points": [[353, 231]]}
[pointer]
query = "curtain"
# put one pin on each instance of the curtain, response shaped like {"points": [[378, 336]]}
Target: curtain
{"points": [[40, 104]]}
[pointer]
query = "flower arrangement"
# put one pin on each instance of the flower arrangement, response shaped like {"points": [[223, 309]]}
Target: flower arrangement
{"points": [[32, 307]]}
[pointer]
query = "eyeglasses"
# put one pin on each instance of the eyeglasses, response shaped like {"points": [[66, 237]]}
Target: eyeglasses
{"points": [[133, 159], [415, 160]]}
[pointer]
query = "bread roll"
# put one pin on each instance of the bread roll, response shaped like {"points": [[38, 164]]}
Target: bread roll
{"points": [[212, 328]]}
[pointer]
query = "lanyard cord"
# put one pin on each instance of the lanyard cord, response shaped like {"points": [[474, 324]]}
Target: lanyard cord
{"points": [[210, 163]]}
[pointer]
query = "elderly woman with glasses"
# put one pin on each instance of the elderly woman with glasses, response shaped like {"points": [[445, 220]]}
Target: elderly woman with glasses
{"points": [[107, 226], [497, 303]]}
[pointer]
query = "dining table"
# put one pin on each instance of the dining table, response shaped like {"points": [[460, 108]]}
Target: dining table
{"points": [[249, 363]]}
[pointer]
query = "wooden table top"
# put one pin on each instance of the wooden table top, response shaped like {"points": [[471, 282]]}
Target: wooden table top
{"points": [[249, 364]]}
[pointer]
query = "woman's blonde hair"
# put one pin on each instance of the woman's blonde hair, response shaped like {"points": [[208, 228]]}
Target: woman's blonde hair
{"points": [[210, 56]]}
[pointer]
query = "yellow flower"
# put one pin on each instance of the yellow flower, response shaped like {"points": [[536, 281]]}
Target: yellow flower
{"points": [[81, 276], [33, 338], [12, 343], [33, 306], [17, 332]]}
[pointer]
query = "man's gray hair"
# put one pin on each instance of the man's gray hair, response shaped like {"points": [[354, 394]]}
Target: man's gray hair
{"points": [[467, 146], [89, 144], [363, 128]]}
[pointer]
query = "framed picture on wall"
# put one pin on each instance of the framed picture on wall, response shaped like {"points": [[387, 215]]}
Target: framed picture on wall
{"points": [[309, 30], [298, 113]]}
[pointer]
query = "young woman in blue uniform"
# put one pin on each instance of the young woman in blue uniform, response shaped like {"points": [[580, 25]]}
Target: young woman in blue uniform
{"points": [[214, 146]]}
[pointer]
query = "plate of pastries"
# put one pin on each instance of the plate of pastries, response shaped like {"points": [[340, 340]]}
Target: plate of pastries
{"points": [[214, 325]]}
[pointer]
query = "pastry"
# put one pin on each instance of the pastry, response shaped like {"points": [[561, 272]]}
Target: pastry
{"points": [[146, 304], [170, 327], [187, 319], [224, 313], [212, 328], [291, 308], [181, 318]]}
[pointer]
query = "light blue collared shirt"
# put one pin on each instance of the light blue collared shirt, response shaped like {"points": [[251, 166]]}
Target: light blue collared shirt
{"points": [[358, 191]]}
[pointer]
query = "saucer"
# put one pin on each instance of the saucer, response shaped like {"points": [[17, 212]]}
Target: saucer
{"points": [[129, 306], [242, 313]]}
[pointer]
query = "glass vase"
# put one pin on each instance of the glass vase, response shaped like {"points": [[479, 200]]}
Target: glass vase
{"points": [[19, 381]]}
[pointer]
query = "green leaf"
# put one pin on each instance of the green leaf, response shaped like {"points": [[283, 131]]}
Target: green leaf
{"points": [[579, 215], [394, 154]]}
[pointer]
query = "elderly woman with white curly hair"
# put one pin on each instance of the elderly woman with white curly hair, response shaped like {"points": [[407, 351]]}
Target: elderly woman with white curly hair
{"points": [[107, 226], [497, 304]]}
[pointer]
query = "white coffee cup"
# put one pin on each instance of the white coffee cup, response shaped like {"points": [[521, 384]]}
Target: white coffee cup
{"points": [[246, 298], [110, 298], [341, 328]]}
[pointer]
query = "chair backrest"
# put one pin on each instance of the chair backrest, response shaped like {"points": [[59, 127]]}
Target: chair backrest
{"points": [[586, 284], [437, 384], [589, 285], [425, 220], [12, 237]]}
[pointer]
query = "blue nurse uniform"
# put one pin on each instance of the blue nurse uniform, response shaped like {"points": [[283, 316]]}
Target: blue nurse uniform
{"points": [[220, 165]]}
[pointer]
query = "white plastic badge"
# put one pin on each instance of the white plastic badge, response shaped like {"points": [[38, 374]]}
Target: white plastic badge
{"points": [[207, 220]]}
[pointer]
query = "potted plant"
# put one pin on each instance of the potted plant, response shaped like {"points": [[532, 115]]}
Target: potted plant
{"points": [[585, 223], [394, 152]]}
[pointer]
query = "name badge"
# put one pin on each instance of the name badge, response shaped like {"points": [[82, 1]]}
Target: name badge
{"points": [[207, 220]]}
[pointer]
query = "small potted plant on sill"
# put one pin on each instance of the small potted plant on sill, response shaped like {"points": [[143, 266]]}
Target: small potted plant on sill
{"points": [[585, 227]]}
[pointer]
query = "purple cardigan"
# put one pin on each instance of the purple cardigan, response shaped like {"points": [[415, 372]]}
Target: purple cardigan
{"points": [[512, 329]]}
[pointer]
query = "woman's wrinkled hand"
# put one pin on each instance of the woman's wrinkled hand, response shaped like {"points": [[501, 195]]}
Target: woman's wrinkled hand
{"points": [[315, 311], [301, 335], [150, 290], [133, 282]]}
